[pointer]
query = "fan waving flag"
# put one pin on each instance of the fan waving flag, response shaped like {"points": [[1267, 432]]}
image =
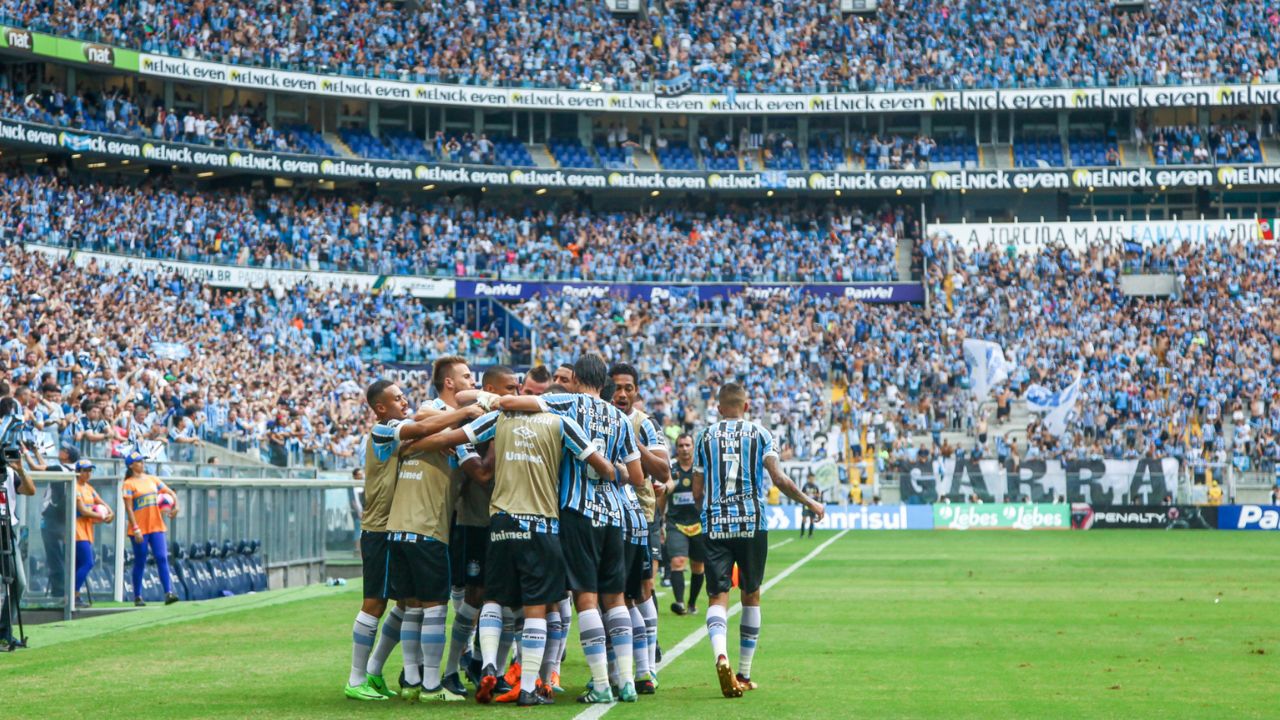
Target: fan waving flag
{"points": [[1057, 407], [1267, 229], [987, 366]]}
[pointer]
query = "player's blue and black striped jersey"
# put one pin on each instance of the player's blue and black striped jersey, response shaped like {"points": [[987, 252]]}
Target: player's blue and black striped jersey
{"points": [[647, 436], [730, 454], [637, 526], [609, 430]]}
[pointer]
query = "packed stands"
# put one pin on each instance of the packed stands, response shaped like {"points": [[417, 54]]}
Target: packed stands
{"points": [[749, 46], [178, 368], [116, 112], [300, 230], [1203, 145], [1194, 376]]}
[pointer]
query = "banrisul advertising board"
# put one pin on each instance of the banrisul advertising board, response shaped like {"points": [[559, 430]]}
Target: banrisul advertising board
{"points": [[855, 517], [1001, 516]]}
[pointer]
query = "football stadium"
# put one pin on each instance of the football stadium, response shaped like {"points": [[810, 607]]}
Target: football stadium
{"points": [[675, 358]]}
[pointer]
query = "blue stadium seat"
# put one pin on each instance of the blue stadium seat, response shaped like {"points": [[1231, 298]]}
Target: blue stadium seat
{"points": [[1038, 151], [721, 164], [613, 158], [365, 145], [406, 146], [312, 142], [784, 161], [570, 153], [512, 153], [677, 157]]}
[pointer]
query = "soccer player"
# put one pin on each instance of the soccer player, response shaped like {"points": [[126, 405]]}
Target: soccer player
{"points": [[635, 534], [563, 376], [87, 515], [814, 492], [685, 541], [471, 537], [381, 465], [450, 376], [418, 530], [536, 381], [141, 493], [526, 564], [591, 523], [656, 462], [560, 615], [731, 459]]}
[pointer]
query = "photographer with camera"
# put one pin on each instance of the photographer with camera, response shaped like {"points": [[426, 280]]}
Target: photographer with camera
{"points": [[12, 573]]}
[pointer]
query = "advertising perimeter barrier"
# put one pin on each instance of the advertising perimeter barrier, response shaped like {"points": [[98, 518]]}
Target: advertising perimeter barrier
{"points": [[1249, 517], [1031, 516], [433, 288]]}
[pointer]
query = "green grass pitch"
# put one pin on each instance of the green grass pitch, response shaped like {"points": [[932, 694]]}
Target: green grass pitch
{"points": [[1103, 624]]}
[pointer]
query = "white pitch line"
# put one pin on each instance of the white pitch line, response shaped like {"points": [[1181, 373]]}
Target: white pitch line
{"points": [[777, 545], [595, 712]]}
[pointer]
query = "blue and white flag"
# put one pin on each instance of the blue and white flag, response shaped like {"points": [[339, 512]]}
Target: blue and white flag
{"points": [[1058, 408], [170, 350], [72, 141], [987, 366]]}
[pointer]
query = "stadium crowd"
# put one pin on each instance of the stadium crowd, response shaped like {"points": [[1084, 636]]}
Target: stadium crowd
{"points": [[146, 117], [279, 373], [1189, 144], [318, 231], [747, 46], [1196, 376]]}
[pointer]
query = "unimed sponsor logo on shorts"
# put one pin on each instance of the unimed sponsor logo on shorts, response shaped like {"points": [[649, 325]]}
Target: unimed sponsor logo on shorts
{"points": [[731, 534], [504, 535]]}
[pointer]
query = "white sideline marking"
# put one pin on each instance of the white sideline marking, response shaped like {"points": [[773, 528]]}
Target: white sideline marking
{"points": [[780, 544], [595, 712]]}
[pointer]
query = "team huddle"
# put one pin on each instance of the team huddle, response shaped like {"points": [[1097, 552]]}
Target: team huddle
{"points": [[519, 503]]}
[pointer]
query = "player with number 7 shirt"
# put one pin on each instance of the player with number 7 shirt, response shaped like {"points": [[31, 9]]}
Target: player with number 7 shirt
{"points": [[731, 459]]}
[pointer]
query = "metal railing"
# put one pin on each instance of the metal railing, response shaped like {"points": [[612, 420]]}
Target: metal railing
{"points": [[299, 521]]}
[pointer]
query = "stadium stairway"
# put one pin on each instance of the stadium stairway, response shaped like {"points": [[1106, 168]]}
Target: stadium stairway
{"points": [[336, 143], [644, 162], [1270, 150], [902, 258], [542, 157], [1001, 156], [1135, 157]]}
